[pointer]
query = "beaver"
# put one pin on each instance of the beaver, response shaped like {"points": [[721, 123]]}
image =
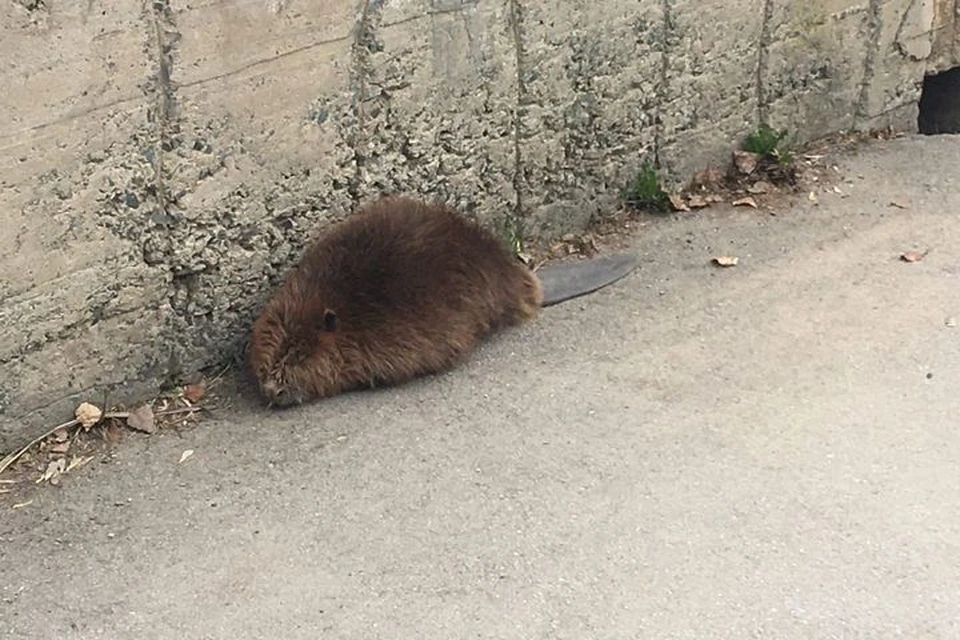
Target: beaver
{"points": [[400, 289]]}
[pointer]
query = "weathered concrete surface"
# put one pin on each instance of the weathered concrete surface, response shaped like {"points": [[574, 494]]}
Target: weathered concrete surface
{"points": [[163, 161], [768, 451]]}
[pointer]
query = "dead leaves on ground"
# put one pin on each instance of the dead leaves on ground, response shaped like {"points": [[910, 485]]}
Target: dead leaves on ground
{"points": [[913, 255], [68, 446], [747, 177], [194, 393], [142, 419], [571, 243], [745, 162], [678, 203], [87, 414], [760, 187], [681, 202], [699, 202], [726, 261]]}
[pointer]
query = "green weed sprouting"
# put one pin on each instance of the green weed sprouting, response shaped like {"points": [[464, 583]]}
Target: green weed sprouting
{"points": [[770, 143], [644, 191]]}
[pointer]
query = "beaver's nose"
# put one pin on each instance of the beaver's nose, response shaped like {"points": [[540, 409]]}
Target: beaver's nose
{"points": [[271, 389]]}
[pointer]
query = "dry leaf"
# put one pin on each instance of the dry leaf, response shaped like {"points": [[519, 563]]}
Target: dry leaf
{"points": [[745, 161], [745, 202], [142, 419], [54, 469], [726, 261], [193, 393], [760, 186], [912, 256], [698, 202], [59, 447], [678, 203], [706, 178], [113, 433], [60, 435], [88, 415], [186, 454], [588, 244], [883, 134]]}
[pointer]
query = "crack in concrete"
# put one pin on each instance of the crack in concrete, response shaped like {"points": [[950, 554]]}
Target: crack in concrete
{"points": [[67, 118], [663, 82], [516, 30], [262, 61], [874, 23], [763, 59], [901, 25], [361, 73], [955, 44], [165, 37], [315, 45]]}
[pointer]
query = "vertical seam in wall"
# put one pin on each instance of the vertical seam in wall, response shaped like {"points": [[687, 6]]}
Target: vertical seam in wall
{"points": [[663, 84], [874, 32], [361, 73], [955, 29], [763, 60], [165, 36], [905, 16], [517, 34]]}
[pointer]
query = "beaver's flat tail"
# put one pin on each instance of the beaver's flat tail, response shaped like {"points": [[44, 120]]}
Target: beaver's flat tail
{"points": [[567, 280]]}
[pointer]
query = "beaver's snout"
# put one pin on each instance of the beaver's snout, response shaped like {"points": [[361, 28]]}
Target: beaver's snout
{"points": [[280, 395]]}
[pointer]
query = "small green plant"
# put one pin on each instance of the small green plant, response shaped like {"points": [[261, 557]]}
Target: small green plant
{"points": [[512, 233], [644, 191], [768, 142]]}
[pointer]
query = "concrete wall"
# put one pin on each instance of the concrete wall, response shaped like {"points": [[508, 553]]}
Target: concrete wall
{"points": [[162, 161]]}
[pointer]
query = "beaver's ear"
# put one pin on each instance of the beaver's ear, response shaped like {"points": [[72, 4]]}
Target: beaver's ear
{"points": [[329, 320]]}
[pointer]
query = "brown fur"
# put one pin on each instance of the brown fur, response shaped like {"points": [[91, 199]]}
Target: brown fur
{"points": [[398, 290]]}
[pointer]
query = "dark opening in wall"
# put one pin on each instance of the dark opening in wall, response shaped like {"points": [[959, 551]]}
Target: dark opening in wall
{"points": [[940, 103]]}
